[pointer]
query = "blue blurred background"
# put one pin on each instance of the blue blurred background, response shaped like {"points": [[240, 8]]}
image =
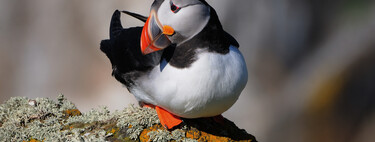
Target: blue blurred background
{"points": [[311, 62]]}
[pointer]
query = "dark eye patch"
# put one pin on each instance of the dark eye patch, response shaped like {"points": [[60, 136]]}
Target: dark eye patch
{"points": [[174, 8]]}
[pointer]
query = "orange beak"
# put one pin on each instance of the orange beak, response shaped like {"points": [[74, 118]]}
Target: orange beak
{"points": [[154, 36]]}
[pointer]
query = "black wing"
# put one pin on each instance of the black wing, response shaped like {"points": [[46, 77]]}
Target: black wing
{"points": [[124, 52]]}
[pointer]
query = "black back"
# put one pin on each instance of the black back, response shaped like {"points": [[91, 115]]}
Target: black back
{"points": [[123, 50]]}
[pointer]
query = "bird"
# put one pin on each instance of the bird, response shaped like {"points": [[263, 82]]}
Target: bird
{"points": [[181, 62]]}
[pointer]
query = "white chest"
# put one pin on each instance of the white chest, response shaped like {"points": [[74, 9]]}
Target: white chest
{"points": [[210, 86]]}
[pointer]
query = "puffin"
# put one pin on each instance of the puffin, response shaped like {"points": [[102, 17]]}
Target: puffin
{"points": [[181, 62]]}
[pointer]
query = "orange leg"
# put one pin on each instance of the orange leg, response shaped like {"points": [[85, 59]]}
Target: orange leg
{"points": [[167, 119]]}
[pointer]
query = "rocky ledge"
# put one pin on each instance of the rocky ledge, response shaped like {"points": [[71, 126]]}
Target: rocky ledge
{"points": [[43, 119]]}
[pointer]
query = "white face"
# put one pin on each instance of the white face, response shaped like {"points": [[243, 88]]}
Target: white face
{"points": [[188, 20]]}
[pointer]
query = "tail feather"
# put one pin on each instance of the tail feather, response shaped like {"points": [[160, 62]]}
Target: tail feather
{"points": [[116, 27]]}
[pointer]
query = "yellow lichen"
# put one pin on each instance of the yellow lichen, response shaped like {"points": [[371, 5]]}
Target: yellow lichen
{"points": [[193, 133], [113, 130], [203, 136], [144, 137], [32, 140], [72, 112]]}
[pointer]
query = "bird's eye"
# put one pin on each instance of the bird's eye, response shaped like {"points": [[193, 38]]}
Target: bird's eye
{"points": [[174, 8]]}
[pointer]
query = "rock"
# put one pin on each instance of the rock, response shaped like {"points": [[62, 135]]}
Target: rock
{"points": [[62, 121]]}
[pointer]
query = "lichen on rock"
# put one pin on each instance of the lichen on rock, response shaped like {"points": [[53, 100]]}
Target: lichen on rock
{"points": [[22, 120], [42, 119]]}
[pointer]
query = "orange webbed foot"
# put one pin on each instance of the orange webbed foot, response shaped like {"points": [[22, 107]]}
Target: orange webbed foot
{"points": [[167, 119]]}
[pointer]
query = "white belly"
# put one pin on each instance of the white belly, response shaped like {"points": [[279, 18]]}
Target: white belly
{"points": [[210, 86]]}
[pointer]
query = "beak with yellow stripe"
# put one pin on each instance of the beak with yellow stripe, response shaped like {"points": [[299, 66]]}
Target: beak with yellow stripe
{"points": [[154, 35]]}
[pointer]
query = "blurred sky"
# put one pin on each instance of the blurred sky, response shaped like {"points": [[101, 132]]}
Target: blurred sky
{"points": [[311, 62]]}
